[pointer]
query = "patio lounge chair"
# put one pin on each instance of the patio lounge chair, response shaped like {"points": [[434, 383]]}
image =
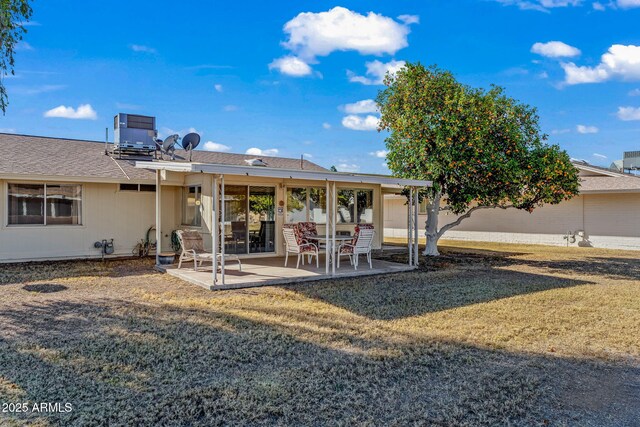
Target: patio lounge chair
{"points": [[192, 248], [296, 244], [359, 245]]}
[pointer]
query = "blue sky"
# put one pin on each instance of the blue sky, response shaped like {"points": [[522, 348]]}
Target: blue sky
{"points": [[290, 78]]}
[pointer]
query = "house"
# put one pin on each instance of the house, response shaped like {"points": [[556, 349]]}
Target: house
{"points": [[606, 214], [61, 198]]}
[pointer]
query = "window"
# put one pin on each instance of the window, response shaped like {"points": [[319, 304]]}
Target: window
{"points": [[346, 203], [296, 204], [191, 203], [310, 204], [45, 204], [138, 187], [364, 212], [307, 204], [318, 205]]}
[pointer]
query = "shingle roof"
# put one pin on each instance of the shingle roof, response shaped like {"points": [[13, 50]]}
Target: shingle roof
{"points": [[609, 184], [603, 180], [38, 155]]}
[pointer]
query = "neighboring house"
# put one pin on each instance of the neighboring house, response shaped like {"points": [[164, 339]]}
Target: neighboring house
{"points": [[58, 197], [606, 214]]}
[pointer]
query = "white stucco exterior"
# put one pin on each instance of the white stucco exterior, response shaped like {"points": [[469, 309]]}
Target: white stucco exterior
{"points": [[608, 220]]}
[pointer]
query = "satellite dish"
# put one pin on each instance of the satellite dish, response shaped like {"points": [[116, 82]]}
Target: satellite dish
{"points": [[170, 142], [169, 145], [190, 142]]}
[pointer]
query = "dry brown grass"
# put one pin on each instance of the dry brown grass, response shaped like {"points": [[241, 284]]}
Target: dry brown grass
{"points": [[484, 335]]}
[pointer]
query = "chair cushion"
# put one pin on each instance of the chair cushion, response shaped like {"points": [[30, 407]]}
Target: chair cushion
{"points": [[346, 249], [307, 247]]}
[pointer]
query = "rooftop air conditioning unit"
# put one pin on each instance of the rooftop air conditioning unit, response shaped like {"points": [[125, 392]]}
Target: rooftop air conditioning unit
{"points": [[134, 133], [631, 160]]}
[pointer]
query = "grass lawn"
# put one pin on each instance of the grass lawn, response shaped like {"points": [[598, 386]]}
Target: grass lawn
{"points": [[487, 334]]}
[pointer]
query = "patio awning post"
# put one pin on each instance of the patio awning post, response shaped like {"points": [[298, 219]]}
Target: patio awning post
{"points": [[158, 216], [334, 213], [222, 233], [416, 227], [410, 226], [214, 227], [329, 209]]}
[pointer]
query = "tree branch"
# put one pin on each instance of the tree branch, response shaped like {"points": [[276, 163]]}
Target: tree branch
{"points": [[466, 215]]}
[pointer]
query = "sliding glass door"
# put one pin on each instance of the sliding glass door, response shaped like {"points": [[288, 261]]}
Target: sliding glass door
{"points": [[249, 219], [262, 224]]}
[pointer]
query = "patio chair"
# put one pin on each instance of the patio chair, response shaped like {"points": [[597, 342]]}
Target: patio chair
{"points": [[296, 244], [309, 230], [360, 245], [192, 247]]}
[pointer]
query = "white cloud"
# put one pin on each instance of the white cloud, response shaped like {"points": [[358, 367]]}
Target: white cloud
{"points": [[409, 19], [560, 131], [598, 6], [555, 49], [354, 122], [23, 45], [376, 71], [83, 112], [326, 125], [384, 165], [291, 66], [307, 155], [7, 130], [347, 167], [142, 48], [253, 151], [218, 87], [361, 107], [628, 113], [628, 4], [620, 62], [586, 129], [540, 5], [340, 29], [230, 108], [600, 156], [215, 146], [37, 90], [381, 154], [634, 92]]}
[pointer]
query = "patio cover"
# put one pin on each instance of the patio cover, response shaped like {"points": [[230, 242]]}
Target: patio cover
{"points": [[218, 172]]}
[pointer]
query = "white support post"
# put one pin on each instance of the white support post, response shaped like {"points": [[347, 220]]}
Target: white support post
{"points": [[334, 212], [158, 216], [214, 227], [410, 226], [416, 252], [222, 240], [328, 227]]}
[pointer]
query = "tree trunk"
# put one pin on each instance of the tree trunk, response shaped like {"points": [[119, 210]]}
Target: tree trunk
{"points": [[431, 232]]}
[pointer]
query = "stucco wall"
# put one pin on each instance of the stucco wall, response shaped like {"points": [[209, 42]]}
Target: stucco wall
{"points": [[107, 214], [608, 221]]}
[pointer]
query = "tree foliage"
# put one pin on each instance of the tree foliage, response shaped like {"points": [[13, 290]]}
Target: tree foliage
{"points": [[480, 148], [13, 15]]}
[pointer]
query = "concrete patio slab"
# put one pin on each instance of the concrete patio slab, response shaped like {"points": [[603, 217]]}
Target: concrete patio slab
{"points": [[271, 271]]}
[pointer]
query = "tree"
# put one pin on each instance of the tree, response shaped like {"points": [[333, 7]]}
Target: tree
{"points": [[482, 149], [13, 15]]}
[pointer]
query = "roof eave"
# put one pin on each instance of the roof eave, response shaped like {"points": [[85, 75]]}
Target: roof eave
{"points": [[267, 172]]}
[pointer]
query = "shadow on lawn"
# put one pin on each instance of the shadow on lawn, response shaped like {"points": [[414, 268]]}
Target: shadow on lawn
{"points": [[51, 270], [412, 294], [609, 266], [123, 363]]}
